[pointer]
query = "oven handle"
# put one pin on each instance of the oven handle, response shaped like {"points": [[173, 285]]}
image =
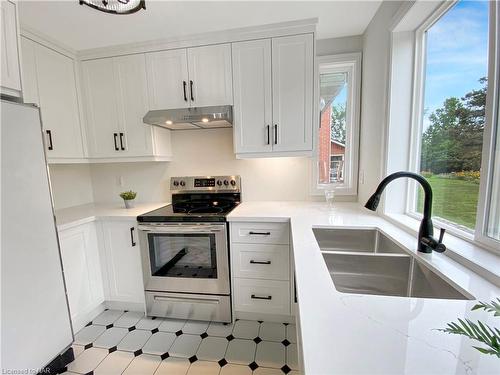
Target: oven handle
{"points": [[182, 228], [182, 299]]}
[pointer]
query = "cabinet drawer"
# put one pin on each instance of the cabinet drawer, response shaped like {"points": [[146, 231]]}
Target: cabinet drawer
{"points": [[262, 296], [261, 261], [272, 233]]}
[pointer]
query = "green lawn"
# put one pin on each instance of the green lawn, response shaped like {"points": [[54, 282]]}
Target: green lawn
{"points": [[453, 200]]}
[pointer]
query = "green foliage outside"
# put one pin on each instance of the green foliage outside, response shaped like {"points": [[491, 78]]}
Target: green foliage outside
{"points": [[454, 200], [451, 156], [337, 123]]}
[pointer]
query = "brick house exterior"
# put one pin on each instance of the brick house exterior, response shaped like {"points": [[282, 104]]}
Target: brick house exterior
{"points": [[327, 147]]}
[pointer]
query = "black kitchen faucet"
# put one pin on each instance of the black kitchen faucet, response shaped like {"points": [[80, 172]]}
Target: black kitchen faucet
{"points": [[426, 241]]}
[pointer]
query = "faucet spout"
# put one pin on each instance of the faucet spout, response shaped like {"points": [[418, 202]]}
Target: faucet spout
{"points": [[426, 242]]}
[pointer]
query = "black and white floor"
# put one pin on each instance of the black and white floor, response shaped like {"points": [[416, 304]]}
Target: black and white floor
{"points": [[118, 342]]}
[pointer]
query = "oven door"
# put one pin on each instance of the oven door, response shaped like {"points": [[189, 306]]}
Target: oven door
{"points": [[185, 258]]}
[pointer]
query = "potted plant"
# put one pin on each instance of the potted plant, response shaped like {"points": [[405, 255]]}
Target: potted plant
{"points": [[128, 197]]}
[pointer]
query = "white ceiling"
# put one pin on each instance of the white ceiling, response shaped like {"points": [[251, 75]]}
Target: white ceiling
{"points": [[81, 27]]}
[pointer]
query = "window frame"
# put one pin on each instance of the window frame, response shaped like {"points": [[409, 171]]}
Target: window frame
{"points": [[479, 234], [351, 63]]}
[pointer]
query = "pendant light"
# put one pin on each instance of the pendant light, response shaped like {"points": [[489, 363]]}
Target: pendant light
{"points": [[116, 6]]}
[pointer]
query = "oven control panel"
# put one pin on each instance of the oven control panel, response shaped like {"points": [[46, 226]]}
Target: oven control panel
{"points": [[206, 183]]}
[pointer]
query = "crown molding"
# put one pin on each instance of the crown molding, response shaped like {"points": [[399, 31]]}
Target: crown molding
{"points": [[226, 36]]}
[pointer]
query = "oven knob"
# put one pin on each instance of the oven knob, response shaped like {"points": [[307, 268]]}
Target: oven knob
{"points": [[233, 182], [176, 183], [183, 183], [226, 182], [219, 182]]}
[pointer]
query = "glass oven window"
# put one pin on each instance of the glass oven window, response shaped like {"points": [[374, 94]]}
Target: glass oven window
{"points": [[186, 255]]}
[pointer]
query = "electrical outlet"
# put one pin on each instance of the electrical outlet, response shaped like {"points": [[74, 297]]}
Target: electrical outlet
{"points": [[120, 181]]}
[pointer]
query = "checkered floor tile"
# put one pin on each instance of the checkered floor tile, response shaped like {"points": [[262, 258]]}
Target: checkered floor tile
{"points": [[121, 342]]}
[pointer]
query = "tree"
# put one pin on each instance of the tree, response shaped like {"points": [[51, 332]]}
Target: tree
{"points": [[337, 123], [453, 141]]}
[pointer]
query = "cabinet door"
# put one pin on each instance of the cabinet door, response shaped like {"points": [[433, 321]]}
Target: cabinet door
{"points": [[131, 92], [123, 262], [10, 77], [59, 103], [28, 70], [252, 96], [101, 104], [82, 271], [168, 82], [292, 92], [210, 73]]}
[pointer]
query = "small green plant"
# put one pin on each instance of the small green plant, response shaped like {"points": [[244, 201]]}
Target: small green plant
{"points": [[128, 195], [479, 331]]}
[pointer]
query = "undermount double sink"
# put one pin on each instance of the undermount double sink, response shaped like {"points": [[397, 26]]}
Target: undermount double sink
{"points": [[365, 261]]}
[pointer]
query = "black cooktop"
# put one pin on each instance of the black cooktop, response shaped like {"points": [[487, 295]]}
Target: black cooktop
{"points": [[194, 208]]}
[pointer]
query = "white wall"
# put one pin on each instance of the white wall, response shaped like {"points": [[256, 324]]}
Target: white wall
{"points": [[376, 50], [71, 185], [202, 152], [333, 46]]}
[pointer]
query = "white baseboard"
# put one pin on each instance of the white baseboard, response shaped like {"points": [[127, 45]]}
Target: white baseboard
{"points": [[129, 306]]}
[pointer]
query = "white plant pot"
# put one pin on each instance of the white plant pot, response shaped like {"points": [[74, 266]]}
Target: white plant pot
{"points": [[129, 203]]}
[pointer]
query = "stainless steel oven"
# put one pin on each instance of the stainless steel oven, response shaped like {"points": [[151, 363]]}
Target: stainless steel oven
{"points": [[186, 270]]}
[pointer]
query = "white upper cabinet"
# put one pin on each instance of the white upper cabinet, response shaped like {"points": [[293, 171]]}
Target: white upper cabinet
{"points": [[292, 92], [252, 96], [132, 92], [116, 97], [168, 79], [192, 77], [101, 104], [50, 82], [273, 96], [10, 79], [210, 81]]}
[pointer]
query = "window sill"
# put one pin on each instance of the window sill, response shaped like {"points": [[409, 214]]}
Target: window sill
{"points": [[466, 252]]}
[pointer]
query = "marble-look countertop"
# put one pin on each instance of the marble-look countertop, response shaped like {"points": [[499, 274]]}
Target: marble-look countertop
{"points": [[344, 333], [77, 215]]}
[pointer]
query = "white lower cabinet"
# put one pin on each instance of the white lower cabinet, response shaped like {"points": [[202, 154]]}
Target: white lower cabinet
{"points": [[123, 281], [261, 271], [82, 272]]}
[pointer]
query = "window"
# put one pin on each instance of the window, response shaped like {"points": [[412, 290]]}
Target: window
{"points": [[453, 113], [455, 134], [337, 137]]}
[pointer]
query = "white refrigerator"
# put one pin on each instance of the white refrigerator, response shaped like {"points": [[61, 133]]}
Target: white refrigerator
{"points": [[35, 321]]}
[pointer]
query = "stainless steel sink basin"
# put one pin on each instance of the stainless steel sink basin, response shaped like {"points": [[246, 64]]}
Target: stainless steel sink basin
{"points": [[355, 240], [368, 262]]}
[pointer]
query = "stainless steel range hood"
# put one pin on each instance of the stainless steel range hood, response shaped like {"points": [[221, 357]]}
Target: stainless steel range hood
{"points": [[191, 118]]}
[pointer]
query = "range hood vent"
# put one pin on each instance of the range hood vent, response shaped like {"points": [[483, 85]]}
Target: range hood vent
{"points": [[191, 118]]}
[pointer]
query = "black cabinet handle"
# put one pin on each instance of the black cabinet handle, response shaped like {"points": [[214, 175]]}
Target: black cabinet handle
{"points": [[191, 89], [184, 84], [260, 262], [121, 142], [132, 236], [50, 146], [115, 135], [268, 135], [260, 233], [262, 297], [275, 134]]}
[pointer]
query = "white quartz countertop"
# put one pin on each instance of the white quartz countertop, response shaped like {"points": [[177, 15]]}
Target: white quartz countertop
{"points": [[344, 333], [77, 215]]}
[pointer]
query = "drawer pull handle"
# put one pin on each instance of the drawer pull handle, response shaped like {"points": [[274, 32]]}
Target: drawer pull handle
{"points": [[260, 262], [262, 297], [259, 233]]}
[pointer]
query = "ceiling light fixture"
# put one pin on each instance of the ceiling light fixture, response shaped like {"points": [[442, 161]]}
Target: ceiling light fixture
{"points": [[116, 6]]}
